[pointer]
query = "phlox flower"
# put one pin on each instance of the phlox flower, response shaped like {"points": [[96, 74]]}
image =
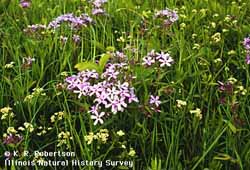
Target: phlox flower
{"points": [[82, 89], [155, 100], [98, 11], [148, 61], [99, 3], [98, 118], [25, 3], [246, 43], [116, 104], [72, 82], [165, 59], [248, 59], [76, 38]]}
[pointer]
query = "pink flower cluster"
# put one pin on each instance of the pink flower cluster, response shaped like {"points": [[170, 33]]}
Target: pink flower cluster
{"points": [[168, 16], [74, 21], [98, 7], [246, 44], [163, 59], [12, 139], [109, 91]]}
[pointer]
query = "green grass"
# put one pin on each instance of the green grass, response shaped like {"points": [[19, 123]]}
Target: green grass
{"points": [[172, 139]]}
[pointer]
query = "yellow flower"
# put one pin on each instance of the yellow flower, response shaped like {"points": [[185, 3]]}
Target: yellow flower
{"points": [[103, 135], [183, 25], [217, 60], [232, 52], [216, 37], [6, 112], [63, 137], [121, 39], [120, 133], [64, 74], [181, 103], [203, 11], [232, 80], [194, 11], [89, 138], [52, 119], [11, 130], [28, 126], [21, 128], [194, 36], [131, 152], [10, 65], [213, 24], [196, 46], [57, 116], [197, 113], [6, 109]]}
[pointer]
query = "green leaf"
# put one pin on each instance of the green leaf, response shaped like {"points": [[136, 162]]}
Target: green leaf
{"points": [[103, 60], [232, 127], [110, 48], [87, 65], [223, 157]]}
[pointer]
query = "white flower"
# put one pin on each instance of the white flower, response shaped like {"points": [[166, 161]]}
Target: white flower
{"points": [[98, 118], [165, 59]]}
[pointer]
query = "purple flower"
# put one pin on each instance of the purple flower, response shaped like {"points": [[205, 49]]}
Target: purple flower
{"points": [[164, 59], [99, 3], [94, 109], [74, 21], [12, 139], [116, 104], [76, 38], [169, 16], [34, 28], [110, 92], [246, 43], [28, 60], [155, 100], [72, 82], [132, 96], [152, 53], [82, 89], [248, 59], [98, 11], [173, 17], [25, 3], [147, 60], [102, 98], [225, 87], [63, 39], [119, 54]]}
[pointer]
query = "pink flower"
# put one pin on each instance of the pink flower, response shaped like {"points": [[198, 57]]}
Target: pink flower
{"points": [[148, 61], [246, 43], [25, 3], [83, 89], [248, 59], [165, 59], [155, 100]]}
